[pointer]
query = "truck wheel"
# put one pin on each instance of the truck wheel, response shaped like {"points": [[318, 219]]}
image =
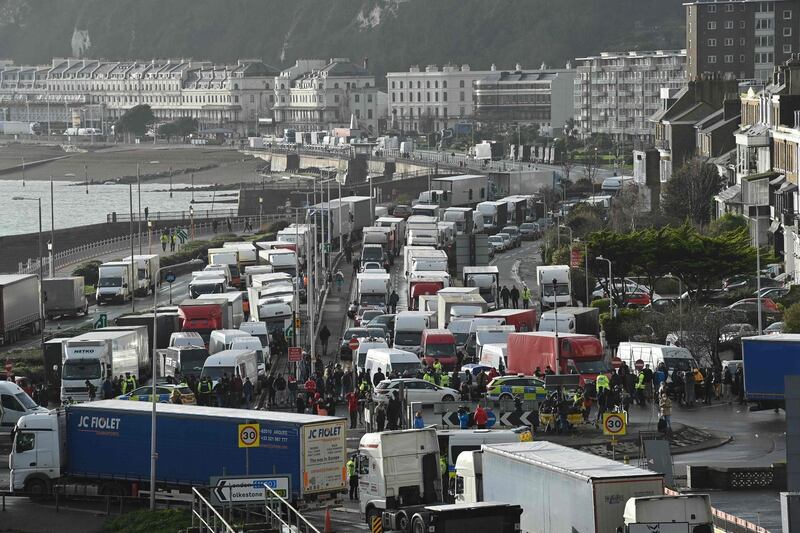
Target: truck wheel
{"points": [[448, 398], [417, 524], [37, 488]]}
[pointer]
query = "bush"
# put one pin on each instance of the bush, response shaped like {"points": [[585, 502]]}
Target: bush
{"points": [[90, 272], [603, 304], [791, 319], [146, 521], [614, 330]]}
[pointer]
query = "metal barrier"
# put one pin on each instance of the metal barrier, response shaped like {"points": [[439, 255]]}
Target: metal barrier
{"points": [[727, 522], [281, 516], [205, 517], [174, 215]]}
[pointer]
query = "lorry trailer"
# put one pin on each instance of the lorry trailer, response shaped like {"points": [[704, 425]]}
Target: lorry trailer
{"points": [[64, 297], [20, 307], [98, 444], [767, 360]]}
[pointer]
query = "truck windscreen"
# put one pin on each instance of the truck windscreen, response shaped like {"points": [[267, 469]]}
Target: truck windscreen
{"points": [[81, 369], [406, 369], [408, 338], [592, 367], [192, 361], [197, 290], [561, 289], [215, 373], [680, 364], [440, 350], [373, 299], [109, 282]]}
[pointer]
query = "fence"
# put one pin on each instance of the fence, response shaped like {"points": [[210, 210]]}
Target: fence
{"points": [[197, 214], [727, 522], [206, 518]]}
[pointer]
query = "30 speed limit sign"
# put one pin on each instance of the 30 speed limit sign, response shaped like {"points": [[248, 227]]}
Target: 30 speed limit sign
{"points": [[249, 435], [615, 424]]}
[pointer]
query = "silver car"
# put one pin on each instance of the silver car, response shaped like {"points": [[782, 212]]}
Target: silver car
{"points": [[508, 240], [497, 243]]}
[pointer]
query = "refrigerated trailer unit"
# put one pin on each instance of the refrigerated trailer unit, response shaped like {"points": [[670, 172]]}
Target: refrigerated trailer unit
{"points": [[20, 306]]}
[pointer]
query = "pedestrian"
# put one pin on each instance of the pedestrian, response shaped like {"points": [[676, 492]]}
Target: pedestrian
{"points": [[348, 252], [237, 386], [108, 389], [339, 278], [92, 390], [393, 409], [175, 397], [173, 238], [505, 295], [380, 416], [514, 296], [204, 391], [481, 418], [394, 298], [640, 388], [378, 377], [648, 382], [356, 266], [229, 225], [419, 423], [324, 335], [708, 385], [300, 404], [352, 408], [164, 241], [270, 386], [739, 380], [280, 388], [247, 390], [526, 296], [727, 383], [688, 388], [352, 473], [665, 409]]}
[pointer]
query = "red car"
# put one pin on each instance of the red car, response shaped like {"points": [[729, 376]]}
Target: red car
{"points": [[767, 304], [637, 299]]}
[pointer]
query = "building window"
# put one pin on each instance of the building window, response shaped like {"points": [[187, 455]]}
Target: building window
{"points": [[742, 59], [728, 40], [461, 96], [729, 58], [401, 84], [729, 8], [419, 84], [712, 42], [728, 24], [369, 113], [252, 99], [712, 25], [742, 23], [461, 111], [461, 84], [393, 95], [787, 32], [392, 85], [428, 84], [712, 59], [444, 84], [444, 96], [401, 97], [369, 98], [336, 98], [712, 9], [742, 41], [787, 14], [357, 98], [787, 48]]}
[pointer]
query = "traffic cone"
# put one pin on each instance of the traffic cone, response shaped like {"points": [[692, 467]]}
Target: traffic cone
{"points": [[328, 526]]}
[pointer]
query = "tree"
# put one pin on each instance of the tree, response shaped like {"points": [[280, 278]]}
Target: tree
{"points": [[727, 222], [135, 120], [791, 319], [182, 127], [690, 191]]}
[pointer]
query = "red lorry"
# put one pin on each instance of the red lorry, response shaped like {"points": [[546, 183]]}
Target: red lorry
{"points": [[202, 316], [425, 283], [581, 354], [522, 319]]}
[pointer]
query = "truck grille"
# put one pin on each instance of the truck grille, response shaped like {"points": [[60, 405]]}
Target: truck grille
{"points": [[75, 389]]}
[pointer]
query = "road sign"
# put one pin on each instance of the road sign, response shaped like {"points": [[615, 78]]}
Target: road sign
{"points": [[182, 235], [170, 277], [615, 424], [353, 344], [288, 332], [247, 489], [295, 354], [638, 364], [101, 322], [249, 435], [576, 258]]}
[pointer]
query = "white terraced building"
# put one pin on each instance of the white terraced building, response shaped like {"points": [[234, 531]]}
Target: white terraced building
{"points": [[90, 93]]}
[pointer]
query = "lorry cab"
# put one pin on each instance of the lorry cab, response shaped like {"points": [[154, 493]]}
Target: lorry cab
{"points": [[658, 513], [221, 339], [487, 279], [253, 270], [114, 282], [390, 360], [374, 252], [365, 344], [16, 404], [186, 338], [220, 270], [256, 329], [38, 451], [213, 284], [468, 487], [231, 363], [408, 328], [439, 345], [454, 442]]}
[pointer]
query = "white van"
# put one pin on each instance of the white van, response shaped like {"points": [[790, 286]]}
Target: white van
{"points": [[408, 328], [232, 363], [186, 338], [493, 353], [221, 339], [460, 330], [366, 344], [389, 360], [15, 404], [256, 329], [252, 343], [674, 357], [491, 335]]}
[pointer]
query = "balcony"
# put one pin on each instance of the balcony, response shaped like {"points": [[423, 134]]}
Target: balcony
{"points": [[662, 144]]}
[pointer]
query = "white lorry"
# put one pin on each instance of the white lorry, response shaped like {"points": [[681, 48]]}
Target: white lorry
{"points": [[373, 288], [281, 259], [205, 282], [533, 475], [487, 279], [463, 191], [555, 286], [247, 252], [114, 282], [462, 217], [99, 353], [687, 512], [494, 215], [459, 302], [146, 272], [408, 328], [426, 261], [399, 487], [229, 257]]}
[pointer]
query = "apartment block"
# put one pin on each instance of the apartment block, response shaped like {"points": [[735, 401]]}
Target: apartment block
{"points": [[742, 39], [616, 93]]}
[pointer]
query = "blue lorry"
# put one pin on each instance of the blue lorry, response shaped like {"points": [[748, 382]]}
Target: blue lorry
{"points": [[767, 360], [106, 444]]}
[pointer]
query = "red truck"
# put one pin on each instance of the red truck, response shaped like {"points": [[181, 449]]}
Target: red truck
{"points": [[522, 319], [425, 283], [202, 316], [439, 345], [581, 354]]}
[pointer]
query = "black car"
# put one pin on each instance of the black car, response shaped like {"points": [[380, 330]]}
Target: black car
{"points": [[349, 333], [385, 320]]}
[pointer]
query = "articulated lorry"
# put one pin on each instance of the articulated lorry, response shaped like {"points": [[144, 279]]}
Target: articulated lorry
{"points": [[487, 279], [559, 489], [767, 360], [96, 446], [494, 215], [20, 307], [100, 353], [564, 353], [555, 286], [400, 489], [584, 320], [64, 297]]}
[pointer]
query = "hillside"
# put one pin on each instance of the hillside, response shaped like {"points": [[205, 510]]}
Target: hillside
{"points": [[392, 33]]}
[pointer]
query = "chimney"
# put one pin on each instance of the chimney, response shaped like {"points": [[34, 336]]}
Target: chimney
{"points": [[493, 67], [366, 63], [518, 67], [732, 107]]}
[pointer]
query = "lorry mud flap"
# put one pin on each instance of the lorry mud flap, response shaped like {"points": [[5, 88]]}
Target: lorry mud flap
{"points": [[430, 474]]}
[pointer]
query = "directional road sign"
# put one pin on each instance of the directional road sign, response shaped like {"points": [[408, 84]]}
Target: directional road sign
{"points": [[353, 344], [615, 424], [288, 332], [101, 322], [247, 488]]}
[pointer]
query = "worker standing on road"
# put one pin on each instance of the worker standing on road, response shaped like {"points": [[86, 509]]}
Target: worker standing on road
{"points": [[352, 474], [526, 296], [324, 335], [640, 388], [352, 408], [505, 295], [514, 296], [164, 239], [204, 391], [173, 239], [393, 299], [131, 379], [481, 418], [92, 390], [665, 408]]}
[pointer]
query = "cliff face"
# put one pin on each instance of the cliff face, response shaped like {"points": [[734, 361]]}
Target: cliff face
{"points": [[394, 34]]}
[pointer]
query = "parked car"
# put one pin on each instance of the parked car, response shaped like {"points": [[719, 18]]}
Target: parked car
{"points": [[528, 231], [508, 387], [516, 236], [774, 293], [731, 334], [417, 390], [384, 320], [490, 250], [508, 240], [769, 310], [497, 243], [767, 304], [740, 282], [637, 299], [163, 393], [774, 328], [662, 305]]}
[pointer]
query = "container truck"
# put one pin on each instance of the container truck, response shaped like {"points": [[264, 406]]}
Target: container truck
{"points": [[247, 252], [100, 353], [458, 302], [326, 215], [425, 283], [426, 261], [555, 286], [383, 236], [234, 310], [229, 257], [687, 512], [167, 325], [361, 215], [64, 297], [767, 360], [96, 445], [146, 271], [517, 209], [559, 489], [114, 282], [408, 499], [20, 307], [281, 260], [463, 191], [276, 313], [373, 288], [522, 319], [398, 225], [462, 217], [585, 320], [487, 279], [495, 215], [203, 316], [11, 127], [564, 353]]}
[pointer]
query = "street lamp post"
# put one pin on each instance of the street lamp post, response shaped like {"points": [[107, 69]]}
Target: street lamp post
{"points": [[153, 453], [41, 260], [557, 369], [610, 284], [758, 281], [260, 211]]}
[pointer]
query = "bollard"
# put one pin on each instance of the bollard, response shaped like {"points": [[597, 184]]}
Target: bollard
{"points": [[626, 460]]}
